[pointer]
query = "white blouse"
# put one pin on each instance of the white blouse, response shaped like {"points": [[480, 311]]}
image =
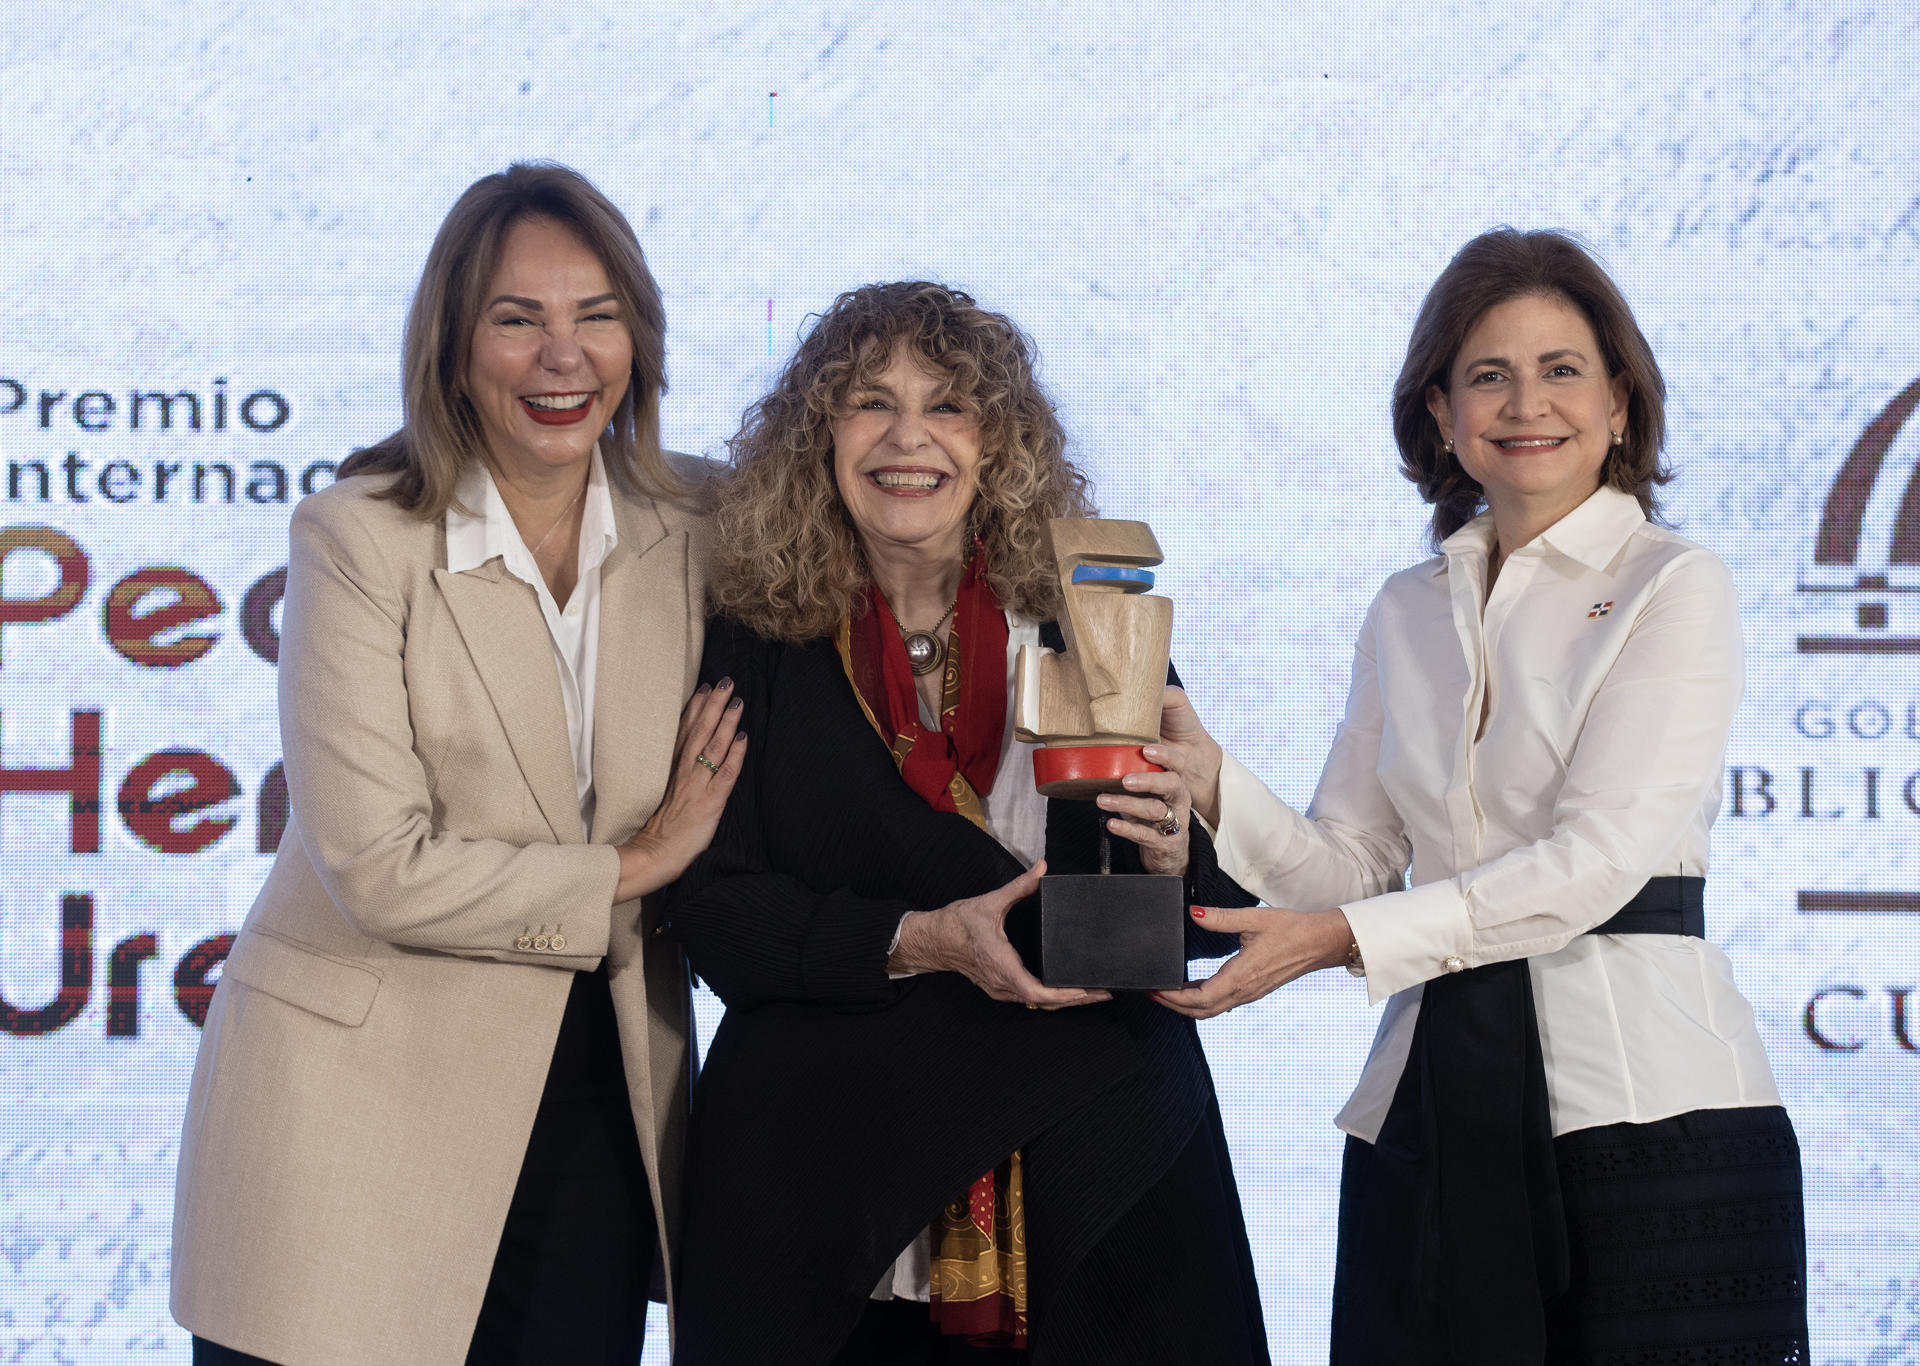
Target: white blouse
{"points": [[1609, 663], [574, 630]]}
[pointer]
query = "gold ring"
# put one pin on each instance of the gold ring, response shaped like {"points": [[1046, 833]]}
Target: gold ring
{"points": [[1170, 825], [1032, 1006], [709, 764]]}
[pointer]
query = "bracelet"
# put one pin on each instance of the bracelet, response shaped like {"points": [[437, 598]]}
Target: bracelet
{"points": [[1355, 963]]}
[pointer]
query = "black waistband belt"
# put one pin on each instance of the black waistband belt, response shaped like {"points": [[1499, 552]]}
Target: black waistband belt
{"points": [[1471, 1206], [1666, 905]]}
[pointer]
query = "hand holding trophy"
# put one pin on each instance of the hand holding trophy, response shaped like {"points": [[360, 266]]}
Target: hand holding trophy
{"points": [[1091, 709]]}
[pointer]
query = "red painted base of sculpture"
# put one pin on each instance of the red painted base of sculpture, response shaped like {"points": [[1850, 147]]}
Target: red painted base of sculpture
{"points": [[1083, 772]]}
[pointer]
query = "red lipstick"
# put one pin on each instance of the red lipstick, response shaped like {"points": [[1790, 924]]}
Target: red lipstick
{"points": [[555, 417]]}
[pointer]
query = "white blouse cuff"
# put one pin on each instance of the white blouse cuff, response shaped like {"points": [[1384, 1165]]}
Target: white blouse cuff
{"points": [[1407, 937], [893, 944]]}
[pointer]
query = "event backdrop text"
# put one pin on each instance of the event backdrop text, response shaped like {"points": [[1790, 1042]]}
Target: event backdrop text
{"points": [[1216, 225]]}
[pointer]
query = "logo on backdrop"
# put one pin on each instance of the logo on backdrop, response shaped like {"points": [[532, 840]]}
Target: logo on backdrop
{"points": [[1860, 596], [1870, 597]]}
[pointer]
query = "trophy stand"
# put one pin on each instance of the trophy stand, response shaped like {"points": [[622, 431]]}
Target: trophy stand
{"points": [[1091, 709]]}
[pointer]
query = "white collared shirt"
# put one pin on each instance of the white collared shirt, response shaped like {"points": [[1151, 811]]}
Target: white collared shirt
{"points": [[574, 631], [1610, 658]]}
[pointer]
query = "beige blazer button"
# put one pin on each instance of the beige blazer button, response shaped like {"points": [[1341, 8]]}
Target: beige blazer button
{"points": [[541, 942], [1453, 963], [559, 942], [523, 943]]}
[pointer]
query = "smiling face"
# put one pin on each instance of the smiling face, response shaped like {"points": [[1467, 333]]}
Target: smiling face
{"points": [[551, 355], [1530, 408], [906, 456]]}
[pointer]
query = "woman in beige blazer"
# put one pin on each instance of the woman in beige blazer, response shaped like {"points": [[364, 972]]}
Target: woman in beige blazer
{"points": [[438, 1110]]}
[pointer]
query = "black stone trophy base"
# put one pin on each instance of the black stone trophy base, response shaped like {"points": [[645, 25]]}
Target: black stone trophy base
{"points": [[1113, 931]]}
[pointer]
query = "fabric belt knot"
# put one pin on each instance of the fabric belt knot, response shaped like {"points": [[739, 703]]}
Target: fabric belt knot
{"points": [[1467, 1149]]}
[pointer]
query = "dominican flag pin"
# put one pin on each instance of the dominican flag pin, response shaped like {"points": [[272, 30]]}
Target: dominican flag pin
{"points": [[1600, 609]]}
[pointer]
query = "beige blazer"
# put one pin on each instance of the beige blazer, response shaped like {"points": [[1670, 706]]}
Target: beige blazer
{"points": [[379, 1040]]}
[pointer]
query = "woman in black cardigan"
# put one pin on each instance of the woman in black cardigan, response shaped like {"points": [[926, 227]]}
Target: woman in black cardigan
{"points": [[891, 1160]]}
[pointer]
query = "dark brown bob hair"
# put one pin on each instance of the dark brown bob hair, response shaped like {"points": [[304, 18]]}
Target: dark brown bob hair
{"points": [[787, 560], [1493, 268], [442, 431]]}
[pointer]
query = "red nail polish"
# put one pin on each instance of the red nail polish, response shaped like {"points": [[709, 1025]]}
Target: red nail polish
{"points": [[1199, 912]]}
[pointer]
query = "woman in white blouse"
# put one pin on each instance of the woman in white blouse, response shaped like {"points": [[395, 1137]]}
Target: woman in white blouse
{"points": [[1566, 1144]]}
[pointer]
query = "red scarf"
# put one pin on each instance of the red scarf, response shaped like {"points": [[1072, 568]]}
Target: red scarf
{"points": [[953, 767], [978, 1272]]}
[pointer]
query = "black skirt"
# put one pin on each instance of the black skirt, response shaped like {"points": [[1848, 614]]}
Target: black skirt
{"points": [[1687, 1244]]}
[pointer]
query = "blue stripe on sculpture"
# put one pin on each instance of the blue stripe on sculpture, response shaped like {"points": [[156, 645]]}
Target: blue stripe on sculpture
{"points": [[1133, 580]]}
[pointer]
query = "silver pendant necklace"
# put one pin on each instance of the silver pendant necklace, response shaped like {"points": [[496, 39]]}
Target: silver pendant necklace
{"points": [[924, 649]]}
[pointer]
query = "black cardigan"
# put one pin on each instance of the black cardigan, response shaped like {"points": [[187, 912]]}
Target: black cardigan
{"points": [[838, 1110]]}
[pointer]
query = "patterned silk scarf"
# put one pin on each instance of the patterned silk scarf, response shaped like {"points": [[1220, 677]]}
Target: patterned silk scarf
{"points": [[979, 1266]]}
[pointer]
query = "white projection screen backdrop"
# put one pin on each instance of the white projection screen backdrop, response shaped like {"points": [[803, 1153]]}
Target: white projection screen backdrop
{"points": [[1216, 225]]}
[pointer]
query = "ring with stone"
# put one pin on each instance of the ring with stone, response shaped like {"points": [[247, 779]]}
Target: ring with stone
{"points": [[706, 763], [1170, 823]]}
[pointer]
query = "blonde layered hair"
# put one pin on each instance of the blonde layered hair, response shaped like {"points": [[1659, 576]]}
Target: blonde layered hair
{"points": [[789, 562], [442, 432]]}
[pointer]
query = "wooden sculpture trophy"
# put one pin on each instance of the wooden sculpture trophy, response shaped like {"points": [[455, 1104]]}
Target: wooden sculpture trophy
{"points": [[1091, 709]]}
